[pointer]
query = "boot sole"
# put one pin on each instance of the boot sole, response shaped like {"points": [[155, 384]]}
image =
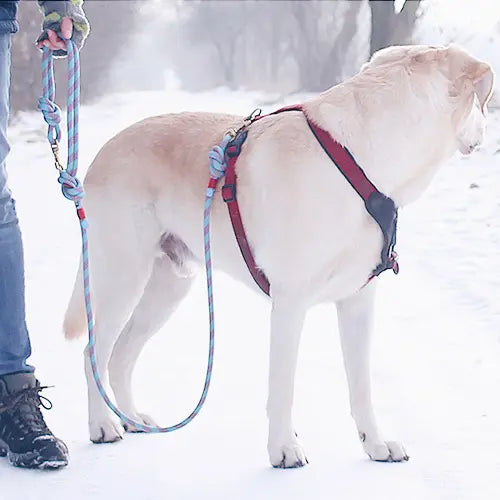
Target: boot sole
{"points": [[31, 460]]}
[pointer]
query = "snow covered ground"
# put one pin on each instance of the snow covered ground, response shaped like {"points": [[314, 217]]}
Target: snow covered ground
{"points": [[436, 359]]}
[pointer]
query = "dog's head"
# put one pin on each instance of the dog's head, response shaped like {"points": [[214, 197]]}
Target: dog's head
{"points": [[468, 85]]}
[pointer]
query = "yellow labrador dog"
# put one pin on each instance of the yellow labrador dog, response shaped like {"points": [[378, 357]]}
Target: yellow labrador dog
{"points": [[404, 114]]}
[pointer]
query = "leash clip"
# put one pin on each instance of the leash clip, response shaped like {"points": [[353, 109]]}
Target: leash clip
{"points": [[254, 115], [57, 159]]}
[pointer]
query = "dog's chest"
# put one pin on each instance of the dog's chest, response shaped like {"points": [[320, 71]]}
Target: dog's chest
{"points": [[327, 266], [349, 272]]}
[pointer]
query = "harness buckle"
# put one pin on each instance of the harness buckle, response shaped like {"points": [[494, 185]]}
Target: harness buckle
{"points": [[234, 147], [229, 193], [393, 259]]}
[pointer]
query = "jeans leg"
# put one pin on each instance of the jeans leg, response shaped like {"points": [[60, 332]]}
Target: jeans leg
{"points": [[14, 340]]}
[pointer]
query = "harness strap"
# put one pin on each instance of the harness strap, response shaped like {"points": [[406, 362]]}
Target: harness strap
{"points": [[339, 155], [229, 196], [380, 207], [344, 161]]}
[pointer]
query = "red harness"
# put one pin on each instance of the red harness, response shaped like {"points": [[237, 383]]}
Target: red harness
{"points": [[379, 206]]}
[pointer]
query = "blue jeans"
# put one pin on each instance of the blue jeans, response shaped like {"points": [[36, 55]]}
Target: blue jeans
{"points": [[15, 346]]}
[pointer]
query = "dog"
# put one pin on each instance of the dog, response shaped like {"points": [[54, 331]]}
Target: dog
{"points": [[402, 116]]}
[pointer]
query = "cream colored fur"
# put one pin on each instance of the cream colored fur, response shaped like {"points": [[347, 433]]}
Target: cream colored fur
{"points": [[402, 116]]}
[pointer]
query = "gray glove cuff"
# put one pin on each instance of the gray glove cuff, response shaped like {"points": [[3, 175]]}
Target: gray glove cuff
{"points": [[54, 11]]}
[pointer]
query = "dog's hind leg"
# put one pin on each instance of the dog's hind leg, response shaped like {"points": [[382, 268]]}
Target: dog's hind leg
{"points": [[355, 317], [164, 292], [123, 243], [287, 319]]}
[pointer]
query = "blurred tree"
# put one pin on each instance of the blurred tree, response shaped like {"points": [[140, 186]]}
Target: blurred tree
{"points": [[286, 45], [26, 76], [112, 25], [320, 39], [390, 27], [220, 26], [266, 43], [255, 42]]}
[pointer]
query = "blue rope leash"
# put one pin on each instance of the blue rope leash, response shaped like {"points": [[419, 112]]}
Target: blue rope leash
{"points": [[73, 191]]}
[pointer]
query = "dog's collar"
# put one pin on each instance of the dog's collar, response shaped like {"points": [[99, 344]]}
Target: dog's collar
{"points": [[380, 207]]}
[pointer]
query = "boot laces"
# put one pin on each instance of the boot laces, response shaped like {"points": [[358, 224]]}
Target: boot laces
{"points": [[24, 409]]}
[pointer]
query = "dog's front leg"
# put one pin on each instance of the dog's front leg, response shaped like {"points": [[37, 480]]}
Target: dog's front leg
{"points": [[355, 317], [287, 319]]}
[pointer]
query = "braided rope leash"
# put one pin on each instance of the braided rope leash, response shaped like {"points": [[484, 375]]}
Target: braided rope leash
{"points": [[73, 191]]}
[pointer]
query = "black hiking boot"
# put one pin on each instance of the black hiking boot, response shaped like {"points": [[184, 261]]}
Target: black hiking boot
{"points": [[25, 438]]}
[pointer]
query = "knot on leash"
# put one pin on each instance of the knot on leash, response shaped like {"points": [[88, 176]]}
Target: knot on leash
{"points": [[52, 115], [217, 157], [218, 163], [71, 187]]}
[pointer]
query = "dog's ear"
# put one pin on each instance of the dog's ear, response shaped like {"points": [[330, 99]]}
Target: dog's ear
{"points": [[471, 74], [482, 76]]}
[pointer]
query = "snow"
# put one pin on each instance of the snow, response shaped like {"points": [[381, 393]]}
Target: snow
{"points": [[435, 357]]}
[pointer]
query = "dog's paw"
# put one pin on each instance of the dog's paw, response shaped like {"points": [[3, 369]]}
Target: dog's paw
{"points": [[287, 456], [105, 430], [141, 418], [388, 451]]}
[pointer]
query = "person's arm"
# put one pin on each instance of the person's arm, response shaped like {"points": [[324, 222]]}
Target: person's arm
{"points": [[60, 17]]}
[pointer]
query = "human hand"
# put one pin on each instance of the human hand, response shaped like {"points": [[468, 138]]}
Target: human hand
{"points": [[54, 41]]}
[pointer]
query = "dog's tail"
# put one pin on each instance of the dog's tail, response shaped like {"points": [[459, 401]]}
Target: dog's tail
{"points": [[75, 319]]}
